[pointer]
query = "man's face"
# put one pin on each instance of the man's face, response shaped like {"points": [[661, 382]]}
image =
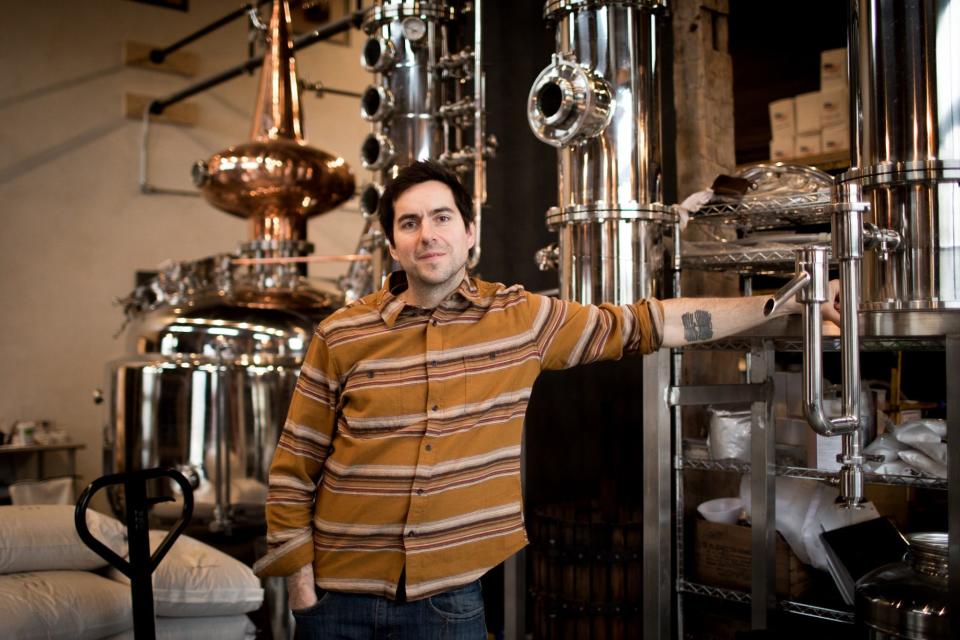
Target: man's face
{"points": [[430, 240]]}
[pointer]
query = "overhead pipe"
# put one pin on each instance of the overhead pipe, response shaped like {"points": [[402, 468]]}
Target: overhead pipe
{"points": [[158, 55], [351, 21]]}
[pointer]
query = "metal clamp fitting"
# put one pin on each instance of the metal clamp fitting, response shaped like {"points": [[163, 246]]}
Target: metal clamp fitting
{"points": [[568, 103]]}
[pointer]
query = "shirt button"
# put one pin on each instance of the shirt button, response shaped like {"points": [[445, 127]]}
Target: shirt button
{"points": [[435, 407], [434, 322], [429, 447], [369, 374], [410, 534], [433, 363], [419, 492]]}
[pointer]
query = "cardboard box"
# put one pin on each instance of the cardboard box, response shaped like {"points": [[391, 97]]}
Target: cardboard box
{"points": [[782, 148], [822, 451], [808, 112], [834, 107], [723, 559], [788, 394], [835, 139], [833, 68], [807, 144], [783, 118]]}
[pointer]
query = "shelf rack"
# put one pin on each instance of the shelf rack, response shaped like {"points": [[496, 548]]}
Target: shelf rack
{"points": [[664, 466], [769, 211], [805, 473], [790, 606], [745, 261], [664, 463]]}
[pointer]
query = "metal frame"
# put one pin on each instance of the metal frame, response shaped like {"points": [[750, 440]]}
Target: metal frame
{"points": [[663, 614], [952, 357], [762, 489], [658, 570]]}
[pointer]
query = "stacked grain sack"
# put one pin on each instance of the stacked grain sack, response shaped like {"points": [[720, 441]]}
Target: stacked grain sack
{"points": [[814, 123]]}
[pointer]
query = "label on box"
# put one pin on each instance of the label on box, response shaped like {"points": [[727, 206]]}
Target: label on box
{"points": [[783, 122], [835, 139], [833, 68], [834, 107], [782, 148], [808, 112], [808, 144]]}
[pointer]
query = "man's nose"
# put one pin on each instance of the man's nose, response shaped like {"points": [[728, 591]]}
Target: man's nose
{"points": [[427, 234]]}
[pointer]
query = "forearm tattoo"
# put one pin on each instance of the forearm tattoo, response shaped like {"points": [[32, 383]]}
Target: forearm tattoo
{"points": [[697, 326]]}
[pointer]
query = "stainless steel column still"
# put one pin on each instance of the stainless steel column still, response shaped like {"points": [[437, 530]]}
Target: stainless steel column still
{"points": [[905, 133], [598, 102], [426, 102]]}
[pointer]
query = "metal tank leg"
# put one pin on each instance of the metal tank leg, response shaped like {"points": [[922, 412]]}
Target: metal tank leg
{"points": [[279, 617], [953, 477], [658, 586], [515, 596], [762, 487]]}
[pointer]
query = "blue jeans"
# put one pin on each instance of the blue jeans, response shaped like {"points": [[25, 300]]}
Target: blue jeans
{"points": [[453, 615]]}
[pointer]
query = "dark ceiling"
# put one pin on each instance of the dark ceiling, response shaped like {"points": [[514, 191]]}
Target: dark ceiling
{"points": [[776, 48]]}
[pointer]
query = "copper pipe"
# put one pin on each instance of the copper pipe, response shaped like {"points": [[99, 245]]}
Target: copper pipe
{"points": [[352, 257]]}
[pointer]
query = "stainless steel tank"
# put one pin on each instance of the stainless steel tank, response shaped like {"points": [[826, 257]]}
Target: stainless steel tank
{"points": [[908, 599], [207, 391], [905, 130], [426, 102], [216, 344], [598, 102]]}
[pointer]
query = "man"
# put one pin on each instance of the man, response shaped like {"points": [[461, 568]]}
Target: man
{"points": [[396, 482]]}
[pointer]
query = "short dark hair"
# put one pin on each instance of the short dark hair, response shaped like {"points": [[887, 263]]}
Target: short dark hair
{"points": [[418, 173]]}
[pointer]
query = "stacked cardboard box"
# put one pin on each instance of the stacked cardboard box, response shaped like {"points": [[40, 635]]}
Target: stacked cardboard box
{"points": [[835, 101], [723, 559], [817, 122]]}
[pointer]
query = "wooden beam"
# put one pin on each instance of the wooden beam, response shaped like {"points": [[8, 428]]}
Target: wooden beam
{"points": [[182, 113], [181, 63]]}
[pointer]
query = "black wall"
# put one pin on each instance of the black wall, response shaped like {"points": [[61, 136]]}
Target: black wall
{"points": [[522, 179]]}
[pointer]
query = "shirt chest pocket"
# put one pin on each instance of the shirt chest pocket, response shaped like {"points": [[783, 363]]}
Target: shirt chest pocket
{"points": [[374, 404]]}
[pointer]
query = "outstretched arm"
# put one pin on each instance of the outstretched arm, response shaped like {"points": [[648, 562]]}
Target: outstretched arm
{"points": [[691, 320]]}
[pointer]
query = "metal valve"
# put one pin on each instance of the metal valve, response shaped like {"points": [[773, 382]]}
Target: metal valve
{"points": [[568, 103], [548, 257]]}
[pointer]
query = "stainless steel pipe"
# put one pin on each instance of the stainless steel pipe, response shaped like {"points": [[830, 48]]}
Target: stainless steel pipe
{"points": [[811, 287], [598, 102]]}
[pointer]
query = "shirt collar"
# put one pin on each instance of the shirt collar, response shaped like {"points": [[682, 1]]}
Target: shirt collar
{"points": [[389, 304]]}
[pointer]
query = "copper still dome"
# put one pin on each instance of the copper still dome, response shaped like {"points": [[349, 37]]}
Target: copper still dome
{"points": [[276, 180]]}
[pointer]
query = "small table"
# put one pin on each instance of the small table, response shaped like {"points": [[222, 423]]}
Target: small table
{"points": [[12, 451]]}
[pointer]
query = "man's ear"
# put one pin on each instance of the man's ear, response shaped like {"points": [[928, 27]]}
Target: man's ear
{"points": [[393, 252], [472, 235]]}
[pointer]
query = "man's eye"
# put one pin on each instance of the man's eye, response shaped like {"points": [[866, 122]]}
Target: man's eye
{"points": [[408, 224], [443, 218]]}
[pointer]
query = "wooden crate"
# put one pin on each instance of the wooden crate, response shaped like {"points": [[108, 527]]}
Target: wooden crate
{"points": [[723, 558]]}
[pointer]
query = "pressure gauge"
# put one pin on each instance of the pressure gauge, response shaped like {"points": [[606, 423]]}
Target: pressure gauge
{"points": [[414, 29]]}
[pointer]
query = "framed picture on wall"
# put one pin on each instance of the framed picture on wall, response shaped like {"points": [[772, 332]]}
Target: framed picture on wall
{"points": [[310, 15]]}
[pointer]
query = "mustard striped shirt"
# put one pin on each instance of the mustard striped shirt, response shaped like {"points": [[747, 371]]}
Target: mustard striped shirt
{"points": [[402, 444]]}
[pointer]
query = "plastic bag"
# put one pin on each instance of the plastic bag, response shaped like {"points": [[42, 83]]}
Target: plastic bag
{"points": [[729, 435], [926, 436], [923, 463]]}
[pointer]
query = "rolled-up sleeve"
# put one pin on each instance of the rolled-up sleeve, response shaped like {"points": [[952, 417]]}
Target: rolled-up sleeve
{"points": [[570, 334]]}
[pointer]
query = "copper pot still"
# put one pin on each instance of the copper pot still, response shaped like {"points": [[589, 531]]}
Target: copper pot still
{"points": [[216, 343], [276, 180]]}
